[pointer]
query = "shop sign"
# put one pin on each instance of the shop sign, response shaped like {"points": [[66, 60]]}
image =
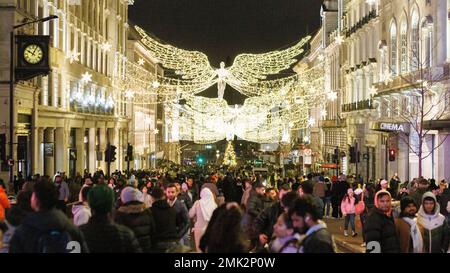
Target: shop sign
{"points": [[392, 127]]}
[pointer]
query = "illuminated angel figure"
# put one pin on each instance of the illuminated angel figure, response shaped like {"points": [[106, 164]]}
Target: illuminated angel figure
{"points": [[247, 69]]}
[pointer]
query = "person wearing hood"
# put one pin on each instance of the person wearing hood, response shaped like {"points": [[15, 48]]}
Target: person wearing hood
{"points": [[201, 213], [312, 233], [348, 210], [81, 211], [43, 222], [433, 225], [380, 226], [134, 215], [63, 190], [101, 233], [409, 235], [15, 217]]}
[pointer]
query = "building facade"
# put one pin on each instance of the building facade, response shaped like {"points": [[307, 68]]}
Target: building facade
{"points": [[64, 121]]}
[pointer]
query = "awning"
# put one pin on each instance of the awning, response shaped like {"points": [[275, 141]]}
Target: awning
{"points": [[436, 124]]}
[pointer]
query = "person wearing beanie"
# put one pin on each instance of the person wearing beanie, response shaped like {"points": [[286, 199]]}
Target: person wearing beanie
{"points": [[433, 225], [101, 233], [380, 226], [134, 215], [348, 211], [409, 235]]}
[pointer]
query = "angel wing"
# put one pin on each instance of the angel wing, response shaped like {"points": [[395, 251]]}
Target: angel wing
{"points": [[191, 65], [251, 68]]}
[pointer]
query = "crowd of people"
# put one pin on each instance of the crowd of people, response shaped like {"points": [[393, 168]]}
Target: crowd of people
{"points": [[175, 210]]}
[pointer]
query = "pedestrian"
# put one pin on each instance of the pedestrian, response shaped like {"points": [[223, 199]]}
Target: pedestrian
{"points": [[421, 189], [284, 240], [307, 188], [335, 202], [146, 199], [101, 233], [433, 225], [265, 221], [182, 223], [63, 190], [15, 217], [380, 227], [409, 235], [255, 206], [224, 233], [184, 197], [348, 211], [394, 184], [166, 238], [327, 199], [444, 199], [246, 194], [47, 229], [81, 211], [136, 216], [4, 202], [201, 213], [313, 234]]}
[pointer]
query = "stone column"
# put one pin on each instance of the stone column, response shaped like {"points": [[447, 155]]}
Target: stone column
{"points": [[103, 143], [92, 151], [37, 138], [79, 144], [50, 160], [61, 156]]}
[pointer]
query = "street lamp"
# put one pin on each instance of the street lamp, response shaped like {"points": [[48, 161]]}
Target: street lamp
{"points": [[11, 91]]}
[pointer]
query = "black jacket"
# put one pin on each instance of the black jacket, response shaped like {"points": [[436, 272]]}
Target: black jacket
{"points": [[267, 218], [135, 216], [165, 222], [229, 189], [104, 236], [184, 198], [25, 238], [319, 241], [182, 218], [255, 204], [444, 198], [381, 228]]}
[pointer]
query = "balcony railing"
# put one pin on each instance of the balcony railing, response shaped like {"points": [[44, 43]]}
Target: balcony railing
{"points": [[356, 106], [361, 23]]}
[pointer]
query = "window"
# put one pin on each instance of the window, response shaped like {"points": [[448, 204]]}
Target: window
{"points": [[393, 44], [414, 41], [403, 48], [428, 47]]}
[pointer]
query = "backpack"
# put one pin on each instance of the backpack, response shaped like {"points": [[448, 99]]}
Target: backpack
{"points": [[54, 241]]}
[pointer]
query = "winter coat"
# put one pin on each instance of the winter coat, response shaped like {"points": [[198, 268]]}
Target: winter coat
{"points": [[183, 222], [184, 198], [417, 196], [14, 219], [381, 228], [229, 189], [104, 236], [267, 218], [81, 214], [434, 228], [319, 189], [165, 218], [444, 200], [404, 235], [348, 205], [245, 197], [63, 189], [4, 204], [284, 245], [26, 236], [140, 220], [317, 240], [255, 204]]}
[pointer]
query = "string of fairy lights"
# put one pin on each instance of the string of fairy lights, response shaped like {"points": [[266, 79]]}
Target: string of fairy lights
{"points": [[273, 108]]}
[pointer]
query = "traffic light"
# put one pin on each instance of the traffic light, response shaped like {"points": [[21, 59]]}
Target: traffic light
{"points": [[392, 153], [129, 152], [200, 159], [352, 153], [110, 153]]}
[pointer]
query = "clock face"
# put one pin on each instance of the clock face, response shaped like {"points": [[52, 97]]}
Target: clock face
{"points": [[33, 54]]}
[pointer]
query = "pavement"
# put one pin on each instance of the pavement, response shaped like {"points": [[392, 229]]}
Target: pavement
{"points": [[345, 244]]}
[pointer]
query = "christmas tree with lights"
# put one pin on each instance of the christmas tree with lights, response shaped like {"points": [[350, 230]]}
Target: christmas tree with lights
{"points": [[230, 156]]}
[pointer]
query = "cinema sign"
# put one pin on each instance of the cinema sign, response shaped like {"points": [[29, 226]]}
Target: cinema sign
{"points": [[391, 127]]}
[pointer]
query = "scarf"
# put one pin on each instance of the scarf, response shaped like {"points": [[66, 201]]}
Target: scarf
{"points": [[415, 234], [207, 203]]}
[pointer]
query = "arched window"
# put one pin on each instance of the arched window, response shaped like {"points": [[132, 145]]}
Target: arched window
{"points": [[414, 40], [403, 48], [393, 44]]}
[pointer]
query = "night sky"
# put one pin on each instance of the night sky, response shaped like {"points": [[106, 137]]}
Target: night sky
{"points": [[223, 29]]}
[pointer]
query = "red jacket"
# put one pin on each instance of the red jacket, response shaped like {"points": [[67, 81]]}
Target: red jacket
{"points": [[4, 204]]}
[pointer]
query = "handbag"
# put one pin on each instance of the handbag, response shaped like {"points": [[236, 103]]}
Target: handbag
{"points": [[360, 207]]}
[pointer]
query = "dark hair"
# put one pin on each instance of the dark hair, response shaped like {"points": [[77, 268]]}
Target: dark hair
{"points": [[287, 220], [24, 200], [309, 176], [285, 187], [303, 205], [381, 194], [288, 199], [224, 233], [429, 198], [47, 194], [157, 193], [85, 192], [307, 187], [170, 185]]}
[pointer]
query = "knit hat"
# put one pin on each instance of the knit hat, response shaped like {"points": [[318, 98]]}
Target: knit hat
{"points": [[101, 199], [129, 194], [405, 201]]}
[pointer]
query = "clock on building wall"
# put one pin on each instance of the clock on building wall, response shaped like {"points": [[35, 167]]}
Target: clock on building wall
{"points": [[32, 56]]}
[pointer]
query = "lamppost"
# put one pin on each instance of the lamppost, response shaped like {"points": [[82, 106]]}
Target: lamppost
{"points": [[11, 91]]}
